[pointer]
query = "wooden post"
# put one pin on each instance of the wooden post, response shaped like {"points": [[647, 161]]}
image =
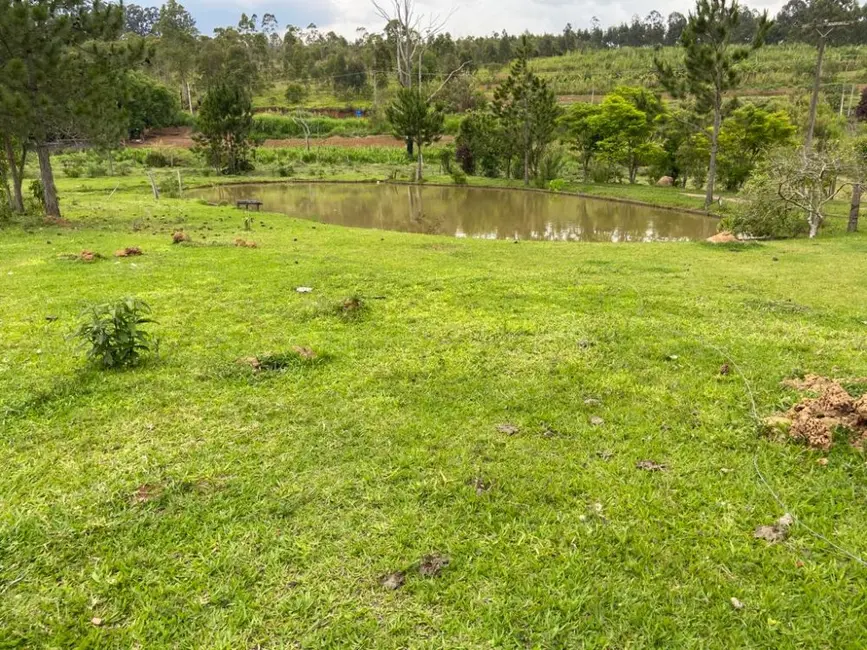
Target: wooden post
{"points": [[154, 186]]}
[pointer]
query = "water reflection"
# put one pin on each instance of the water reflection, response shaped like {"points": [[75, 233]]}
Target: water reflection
{"points": [[470, 212]]}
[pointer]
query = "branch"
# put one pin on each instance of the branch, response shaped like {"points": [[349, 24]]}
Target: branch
{"points": [[449, 78]]}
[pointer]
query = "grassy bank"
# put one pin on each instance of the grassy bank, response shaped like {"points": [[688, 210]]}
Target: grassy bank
{"points": [[196, 503]]}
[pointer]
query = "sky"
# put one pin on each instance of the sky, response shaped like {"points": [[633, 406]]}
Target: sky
{"points": [[469, 17]]}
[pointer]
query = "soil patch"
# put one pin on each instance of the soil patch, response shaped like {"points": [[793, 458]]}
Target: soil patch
{"points": [[817, 417]]}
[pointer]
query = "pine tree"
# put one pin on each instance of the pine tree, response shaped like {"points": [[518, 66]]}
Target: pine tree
{"points": [[62, 65], [861, 109], [413, 117], [527, 111], [224, 125], [711, 61]]}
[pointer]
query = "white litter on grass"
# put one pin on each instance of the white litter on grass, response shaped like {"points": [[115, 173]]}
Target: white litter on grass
{"points": [[304, 289]]}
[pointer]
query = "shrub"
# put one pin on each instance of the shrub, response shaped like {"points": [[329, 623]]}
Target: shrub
{"points": [[114, 334], [96, 170], [763, 214], [446, 156], [458, 176], [551, 166], [37, 191], [557, 185], [72, 167], [156, 158], [295, 93]]}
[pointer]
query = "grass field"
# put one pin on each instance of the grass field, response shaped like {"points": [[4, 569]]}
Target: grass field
{"points": [[195, 503]]}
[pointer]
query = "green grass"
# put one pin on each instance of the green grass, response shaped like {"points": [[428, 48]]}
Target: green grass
{"points": [[274, 502]]}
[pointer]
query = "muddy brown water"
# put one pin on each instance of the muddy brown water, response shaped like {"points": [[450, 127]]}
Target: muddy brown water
{"points": [[469, 212]]}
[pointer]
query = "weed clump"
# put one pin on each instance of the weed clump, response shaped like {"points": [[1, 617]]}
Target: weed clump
{"points": [[351, 308], [129, 251], [298, 356], [114, 334], [180, 237]]}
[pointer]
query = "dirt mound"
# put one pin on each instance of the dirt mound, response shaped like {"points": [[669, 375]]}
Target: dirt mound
{"points": [[244, 243], [815, 419], [724, 237], [129, 251]]}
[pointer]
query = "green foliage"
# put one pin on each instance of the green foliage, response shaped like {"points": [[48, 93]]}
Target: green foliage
{"points": [[625, 132], [37, 191], [458, 176], [412, 116], [114, 334], [295, 93], [551, 166], [224, 125], [478, 144], [527, 111], [746, 134], [762, 214], [580, 125], [148, 104]]}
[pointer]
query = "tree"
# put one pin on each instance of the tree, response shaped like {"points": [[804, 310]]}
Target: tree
{"points": [[414, 118], [177, 45], [581, 133], [858, 172], [296, 93], [807, 181], [625, 134], [478, 144], [141, 21], [62, 66], [861, 109], [224, 125], [711, 65], [747, 134], [527, 111], [147, 104]]}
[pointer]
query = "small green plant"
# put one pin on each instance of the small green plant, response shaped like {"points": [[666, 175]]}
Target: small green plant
{"points": [[114, 334], [459, 177], [557, 185], [37, 191], [156, 158]]}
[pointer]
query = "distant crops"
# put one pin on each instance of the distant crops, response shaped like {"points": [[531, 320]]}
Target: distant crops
{"points": [[773, 70], [276, 126]]}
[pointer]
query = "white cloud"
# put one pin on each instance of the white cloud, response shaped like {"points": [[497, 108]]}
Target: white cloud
{"points": [[471, 17], [483, 17]]}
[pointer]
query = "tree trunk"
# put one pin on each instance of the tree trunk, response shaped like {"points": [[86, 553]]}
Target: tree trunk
{"points": [[855, 210], [420, 164], [714, 148], [526, 149], [409, 147], [815, 221], [52, 205], [16, 197], [814, 99]]}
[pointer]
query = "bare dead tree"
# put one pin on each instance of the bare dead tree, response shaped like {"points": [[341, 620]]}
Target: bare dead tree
{"points": [[414, 31], [808, 180], [302, 121]]}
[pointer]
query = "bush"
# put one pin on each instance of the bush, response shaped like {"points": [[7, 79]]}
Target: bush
{"points": [[551, 166], [114, 334], [156, 158], [96, 170], [169, 186], [446, 156], [295, 93], [458, 176], [37, 191], [557, 185], [762, 213]]}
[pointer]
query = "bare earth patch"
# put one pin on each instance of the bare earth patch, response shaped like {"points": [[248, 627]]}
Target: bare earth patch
{"points": [[814, 420], [432, 565]]}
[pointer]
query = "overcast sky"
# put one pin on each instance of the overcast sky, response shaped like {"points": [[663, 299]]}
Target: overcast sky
{"points": [[471, 17]]}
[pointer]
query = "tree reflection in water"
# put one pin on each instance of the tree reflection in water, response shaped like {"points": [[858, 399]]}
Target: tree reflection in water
{"points": [[471, 212]]}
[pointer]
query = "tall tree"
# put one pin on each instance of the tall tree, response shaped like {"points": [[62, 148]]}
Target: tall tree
{"points": [[61, 65], [711, 61], [224, 124], [177, 45], [527, 110], [414, 118]]}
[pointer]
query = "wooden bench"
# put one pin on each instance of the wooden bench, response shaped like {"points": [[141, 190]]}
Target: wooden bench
{"points": [[248, 203]]}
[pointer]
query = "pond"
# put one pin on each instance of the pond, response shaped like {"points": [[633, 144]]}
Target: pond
{"points": [[469, 212]]}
